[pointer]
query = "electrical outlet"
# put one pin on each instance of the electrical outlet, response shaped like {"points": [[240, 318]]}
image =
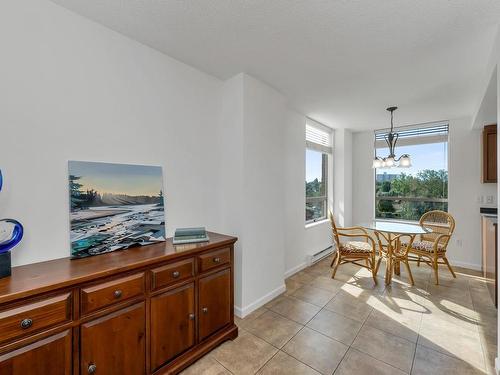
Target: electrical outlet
{"points": [[490, 199], [480, 199]]}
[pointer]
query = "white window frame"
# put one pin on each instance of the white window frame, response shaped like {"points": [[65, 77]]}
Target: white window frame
{"points": [[421, 139], [319, 138]]}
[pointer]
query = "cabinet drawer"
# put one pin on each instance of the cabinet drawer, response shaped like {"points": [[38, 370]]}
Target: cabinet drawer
{"points": [[172, 273], [49, 356], [36, 316], [214, 259], [96, 297]]}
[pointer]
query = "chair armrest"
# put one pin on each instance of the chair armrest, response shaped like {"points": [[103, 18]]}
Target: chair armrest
{"points": [[363, 231], [368, 238], [353, 228], [439, 238]]}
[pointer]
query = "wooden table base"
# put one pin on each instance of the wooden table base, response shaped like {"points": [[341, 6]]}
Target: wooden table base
{"points": [[392, 253]]}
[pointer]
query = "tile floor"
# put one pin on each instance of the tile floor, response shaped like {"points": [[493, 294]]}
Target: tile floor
{"points": [[350, 326]]}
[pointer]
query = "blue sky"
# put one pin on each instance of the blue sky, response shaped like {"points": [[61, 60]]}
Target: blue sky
{"points": [[127, 179], [428, 156], [313, 165]]}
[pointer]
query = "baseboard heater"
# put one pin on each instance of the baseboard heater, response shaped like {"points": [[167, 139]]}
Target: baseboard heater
{"points": [[314, 258]]}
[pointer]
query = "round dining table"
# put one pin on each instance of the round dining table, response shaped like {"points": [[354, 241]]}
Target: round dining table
{"points": [[389, 235]]}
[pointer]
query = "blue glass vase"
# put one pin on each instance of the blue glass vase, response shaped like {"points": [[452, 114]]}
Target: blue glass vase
{"points": [[11, 233]]}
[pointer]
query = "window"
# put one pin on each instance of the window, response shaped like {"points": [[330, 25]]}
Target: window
{"points": [[318, 150], [407, 193]]}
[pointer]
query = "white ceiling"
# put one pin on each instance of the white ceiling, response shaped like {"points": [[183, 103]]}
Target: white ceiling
{"points": [[341, 62]]}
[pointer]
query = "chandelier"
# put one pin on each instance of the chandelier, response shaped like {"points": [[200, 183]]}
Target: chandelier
{"points": [[404, 161]]}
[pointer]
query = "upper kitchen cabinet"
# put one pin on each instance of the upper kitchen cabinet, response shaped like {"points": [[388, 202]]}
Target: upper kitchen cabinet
{"points": [[490, 153]]}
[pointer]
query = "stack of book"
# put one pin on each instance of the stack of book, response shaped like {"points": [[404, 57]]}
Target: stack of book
{"points": [[190, 235]]}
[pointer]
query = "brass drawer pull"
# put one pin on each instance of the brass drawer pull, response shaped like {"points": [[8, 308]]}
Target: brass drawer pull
{"points": [[205, 310], [176, 274], [217, 260], [26, 323], [92, 368], [118, 293], [191, 316]]}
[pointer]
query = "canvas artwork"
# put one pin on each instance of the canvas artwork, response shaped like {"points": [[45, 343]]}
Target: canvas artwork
{"points": [[114, 207]]}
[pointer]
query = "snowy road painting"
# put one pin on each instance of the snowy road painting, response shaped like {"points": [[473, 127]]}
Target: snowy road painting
{"points": [[114, 207]]}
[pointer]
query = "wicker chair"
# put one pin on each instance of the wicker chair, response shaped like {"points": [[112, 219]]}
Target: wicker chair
{"points": [[431, 247], [353, 251]]}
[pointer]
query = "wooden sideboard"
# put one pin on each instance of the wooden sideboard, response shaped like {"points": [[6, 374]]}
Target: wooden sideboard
{"points": [[147, 310]]}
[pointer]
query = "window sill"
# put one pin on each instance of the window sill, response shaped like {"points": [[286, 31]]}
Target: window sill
{"points": [[316, 223]]}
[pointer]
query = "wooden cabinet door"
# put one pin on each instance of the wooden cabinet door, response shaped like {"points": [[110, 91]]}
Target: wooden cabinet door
{"points": [[172, 324], [51, 355], [490, 153], [115, 343], [214, 302]]}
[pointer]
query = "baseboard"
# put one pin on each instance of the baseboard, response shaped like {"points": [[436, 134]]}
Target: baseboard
{"points": [[238, 311], [471, 266], [497, 366], [294, 270], [242, 312]]}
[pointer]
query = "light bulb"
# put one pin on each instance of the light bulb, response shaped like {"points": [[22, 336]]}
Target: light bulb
{"points": [[405, 161], [377, 163], [389, 162]]}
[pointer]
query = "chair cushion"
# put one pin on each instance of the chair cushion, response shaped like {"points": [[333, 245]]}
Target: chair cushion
{"points": [[355, 247], [426, 246]]}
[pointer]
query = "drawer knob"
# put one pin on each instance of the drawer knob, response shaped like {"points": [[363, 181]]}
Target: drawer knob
{"points": [[26, 323], [176, 274], [217, 260], [92, 368], [205, 310], [191, 316], [118, 293]]}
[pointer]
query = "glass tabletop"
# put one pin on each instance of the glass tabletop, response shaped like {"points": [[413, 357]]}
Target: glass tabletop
{"points": [[395, 227]]}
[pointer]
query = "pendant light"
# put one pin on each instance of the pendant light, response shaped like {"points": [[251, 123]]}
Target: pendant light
{"points": [[391, 138]]}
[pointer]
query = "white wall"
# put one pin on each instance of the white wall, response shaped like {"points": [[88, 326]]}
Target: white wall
{"points": [[295, 235], [464, 188], [342, 197], [264, 119], [363, 177], [230, 173], [71, 89], [252, 189]]}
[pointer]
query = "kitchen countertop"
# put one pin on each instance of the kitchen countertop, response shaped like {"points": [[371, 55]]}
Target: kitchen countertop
{"points": [[489, 211]]}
